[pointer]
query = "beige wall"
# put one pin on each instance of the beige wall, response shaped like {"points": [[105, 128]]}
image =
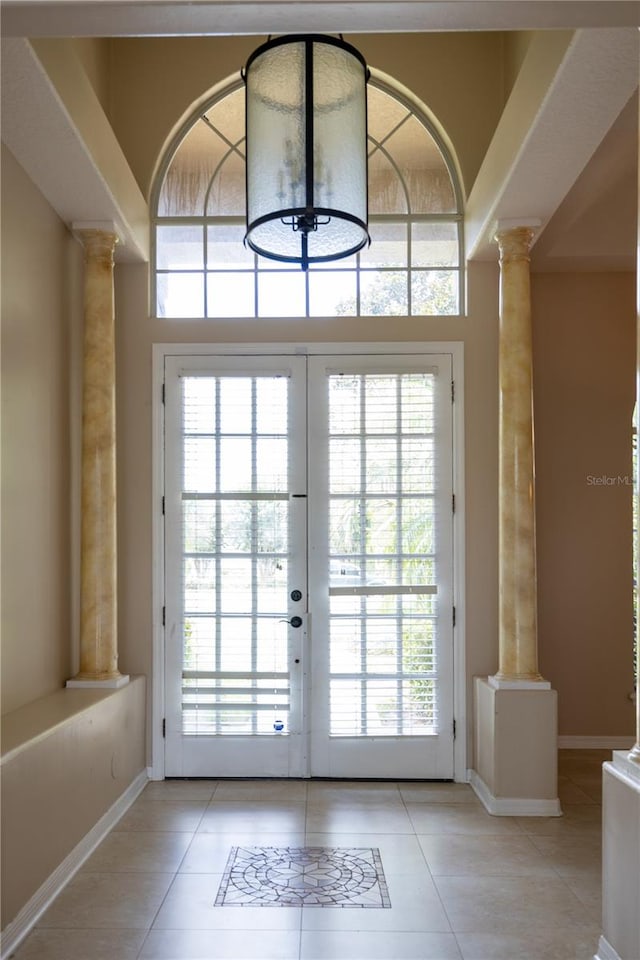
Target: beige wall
{"points": [[459, 76], [57, 786], [64, 775], [95, 55], [516, 44], [40, 310], [461, 79], [159, 79], [584, 374]]}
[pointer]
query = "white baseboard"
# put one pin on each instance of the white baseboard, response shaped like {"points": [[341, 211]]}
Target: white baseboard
{"points": [[15, 932], [595, 743], [606, 951], [512, 806]]}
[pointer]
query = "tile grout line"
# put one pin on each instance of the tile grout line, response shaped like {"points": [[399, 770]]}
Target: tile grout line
{"points": [[572, 837], [433, 879], [306, 824], [175, 874]]}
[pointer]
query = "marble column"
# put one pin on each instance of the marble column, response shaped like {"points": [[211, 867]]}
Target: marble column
{"points": [[518, 642], [515, 766], [98, 588]]}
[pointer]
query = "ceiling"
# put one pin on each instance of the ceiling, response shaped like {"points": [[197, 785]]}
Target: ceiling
{"points": [[102, 18], [596, 225], [575, 171]]}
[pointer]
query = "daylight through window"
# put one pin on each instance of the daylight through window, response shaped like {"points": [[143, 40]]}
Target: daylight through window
{"points": [[412, 268]]}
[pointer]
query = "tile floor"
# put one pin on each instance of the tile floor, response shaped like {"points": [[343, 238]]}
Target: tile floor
{"points": [[462, 885]]}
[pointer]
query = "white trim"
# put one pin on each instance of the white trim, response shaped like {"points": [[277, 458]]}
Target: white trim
{"points": [[162, 350], [384, 348], [625, 770], [157, 565], [460, 754], [499, 684], [512, 806], [595, 743], [606, 951], [21, 925]]}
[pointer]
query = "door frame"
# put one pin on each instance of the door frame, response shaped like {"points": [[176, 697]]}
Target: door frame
{"points": [[162, 350]]}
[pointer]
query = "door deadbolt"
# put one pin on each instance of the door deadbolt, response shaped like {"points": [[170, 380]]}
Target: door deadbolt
{"points": [[296, 594]]}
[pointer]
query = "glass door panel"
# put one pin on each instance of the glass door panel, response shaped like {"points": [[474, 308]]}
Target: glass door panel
{"points": [[236, 551], [362, 684], [381, 570]]}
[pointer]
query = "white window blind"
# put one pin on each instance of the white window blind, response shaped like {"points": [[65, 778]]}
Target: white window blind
{"points": [[383, 532], [235, 539]]}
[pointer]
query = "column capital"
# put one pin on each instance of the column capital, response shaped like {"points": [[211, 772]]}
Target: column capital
{"points": [[514, 242], [98, 237]]}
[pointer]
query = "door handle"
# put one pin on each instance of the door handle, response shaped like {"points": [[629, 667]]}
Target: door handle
{"points": [[294, 622]]}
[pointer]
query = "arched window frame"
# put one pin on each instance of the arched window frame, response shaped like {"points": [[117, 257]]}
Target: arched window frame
{"points": [[355, 265]]}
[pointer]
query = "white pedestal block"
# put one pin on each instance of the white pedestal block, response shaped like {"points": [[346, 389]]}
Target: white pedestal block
{"points": [[621, 860], [516, 750]]}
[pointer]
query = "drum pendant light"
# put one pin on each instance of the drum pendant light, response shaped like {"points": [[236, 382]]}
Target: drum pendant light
{"points": [[306, 126]]}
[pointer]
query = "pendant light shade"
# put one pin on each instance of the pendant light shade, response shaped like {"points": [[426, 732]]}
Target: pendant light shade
{"points": [[306, 128]]}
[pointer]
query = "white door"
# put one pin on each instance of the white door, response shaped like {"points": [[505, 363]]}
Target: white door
{"points": [[235, 542], [354, 675], [381, 566]]}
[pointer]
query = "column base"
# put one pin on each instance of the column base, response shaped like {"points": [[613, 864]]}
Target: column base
{"points": [[512, 806], [516, 749], [113, 683], [621, 859]]}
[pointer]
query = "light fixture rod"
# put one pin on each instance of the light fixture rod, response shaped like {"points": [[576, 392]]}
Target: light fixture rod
{"points": [[308, 121]]}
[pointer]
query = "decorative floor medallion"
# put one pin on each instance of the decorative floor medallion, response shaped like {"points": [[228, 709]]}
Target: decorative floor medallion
{"points": [[303, 877]]}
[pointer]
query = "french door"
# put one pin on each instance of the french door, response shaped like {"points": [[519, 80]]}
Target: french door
{"points": [[308, 566]]}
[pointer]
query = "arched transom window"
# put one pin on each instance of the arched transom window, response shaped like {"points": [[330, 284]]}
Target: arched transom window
{"points": [[412, 268]]}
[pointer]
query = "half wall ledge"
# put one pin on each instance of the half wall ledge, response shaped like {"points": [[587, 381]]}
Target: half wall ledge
{"points": [[71, 764]]}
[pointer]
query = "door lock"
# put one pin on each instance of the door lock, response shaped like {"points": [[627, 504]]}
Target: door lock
{"points": [[295, 621], [296, 594]]}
